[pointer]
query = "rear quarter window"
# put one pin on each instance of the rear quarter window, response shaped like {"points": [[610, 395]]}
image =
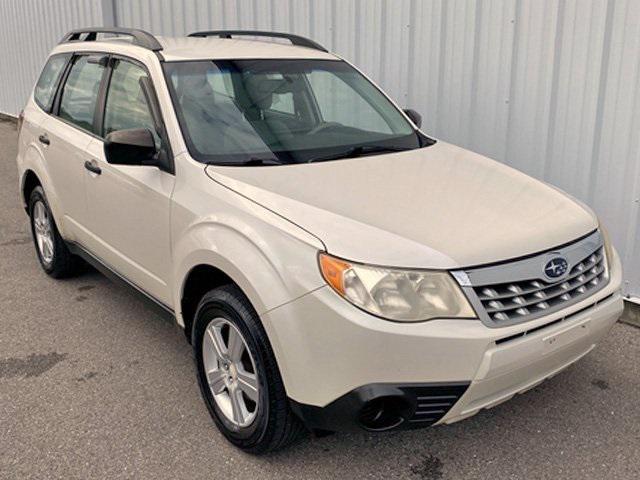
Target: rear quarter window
{"points": [[48, 82]]}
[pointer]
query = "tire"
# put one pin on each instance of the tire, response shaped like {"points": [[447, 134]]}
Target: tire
{"points": [[56, 259], [274, 425]]}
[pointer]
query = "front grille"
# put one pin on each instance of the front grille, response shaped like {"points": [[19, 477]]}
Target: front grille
{"points": [[519, 301], [544, 326]]}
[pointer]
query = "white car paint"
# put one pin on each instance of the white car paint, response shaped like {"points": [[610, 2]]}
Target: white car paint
{"points": [[440, 207]]}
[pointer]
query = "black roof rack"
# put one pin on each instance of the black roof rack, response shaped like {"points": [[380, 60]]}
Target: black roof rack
{"points": [[140, 37], [294, 39]]}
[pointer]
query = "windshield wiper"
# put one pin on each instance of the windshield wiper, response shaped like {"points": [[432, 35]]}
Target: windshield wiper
{"points": [[251, 162], [359, 151]]}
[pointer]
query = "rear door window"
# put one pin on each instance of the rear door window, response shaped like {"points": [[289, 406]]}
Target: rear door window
{"points": [[80, 91], [47, 84]]}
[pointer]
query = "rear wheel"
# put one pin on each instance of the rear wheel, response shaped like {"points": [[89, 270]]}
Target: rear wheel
{"points": [[238, 375], [53, 254]]}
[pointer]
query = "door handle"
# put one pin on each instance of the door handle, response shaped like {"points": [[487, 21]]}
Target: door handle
{"points": [[44, 139], [92, 166]]}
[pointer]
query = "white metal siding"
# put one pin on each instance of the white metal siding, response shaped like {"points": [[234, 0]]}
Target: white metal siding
{"points": [[28, 31], [551, 87]]}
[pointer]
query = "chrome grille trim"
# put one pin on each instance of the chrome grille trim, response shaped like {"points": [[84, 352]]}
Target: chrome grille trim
{"points": [[519, 291]]}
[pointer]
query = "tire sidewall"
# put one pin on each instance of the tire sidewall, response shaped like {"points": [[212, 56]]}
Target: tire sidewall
{"points": [[222, 304]]}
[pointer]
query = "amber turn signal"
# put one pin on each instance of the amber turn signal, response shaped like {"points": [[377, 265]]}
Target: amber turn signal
{"points": [[333, 271]]}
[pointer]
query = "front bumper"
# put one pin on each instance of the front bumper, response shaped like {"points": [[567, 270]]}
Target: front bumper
{"points": [[336, 360], [383, 406]]}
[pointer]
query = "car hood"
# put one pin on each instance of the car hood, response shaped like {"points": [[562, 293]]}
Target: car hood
{"points": [[435, 207]]}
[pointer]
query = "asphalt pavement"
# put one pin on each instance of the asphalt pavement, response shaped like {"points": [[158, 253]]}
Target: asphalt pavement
{"points": [[94, 385]]}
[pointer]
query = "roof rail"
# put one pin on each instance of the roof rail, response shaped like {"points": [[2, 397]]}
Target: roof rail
{"points": [[294, 39], [140, 37]]}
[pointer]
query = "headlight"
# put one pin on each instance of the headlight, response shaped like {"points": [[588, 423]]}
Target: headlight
{"points": [[401, 295], [608, 247]]}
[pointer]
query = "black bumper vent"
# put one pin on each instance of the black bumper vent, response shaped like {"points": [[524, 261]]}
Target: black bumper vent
{"points": [[433, 402], [382, 406]]}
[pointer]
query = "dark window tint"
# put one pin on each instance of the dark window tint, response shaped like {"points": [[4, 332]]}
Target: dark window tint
{"points": [[126, 105], [80, 91], [48, 81]]}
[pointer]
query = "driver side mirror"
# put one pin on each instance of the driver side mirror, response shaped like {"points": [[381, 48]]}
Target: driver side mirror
{"points": [[134, 146], [414, 116]]}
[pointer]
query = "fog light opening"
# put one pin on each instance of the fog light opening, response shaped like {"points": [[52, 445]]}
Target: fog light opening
{"points": [[384, 413]]}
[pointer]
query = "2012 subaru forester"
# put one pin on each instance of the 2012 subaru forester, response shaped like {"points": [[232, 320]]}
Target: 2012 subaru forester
{"points": [[332, 266]]}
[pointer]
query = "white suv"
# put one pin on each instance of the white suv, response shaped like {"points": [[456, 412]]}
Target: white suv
{"points": [[332, 266]]}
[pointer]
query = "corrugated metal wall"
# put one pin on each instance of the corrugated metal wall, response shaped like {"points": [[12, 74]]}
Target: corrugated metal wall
{"points": [[28, 31], [551, 87]]}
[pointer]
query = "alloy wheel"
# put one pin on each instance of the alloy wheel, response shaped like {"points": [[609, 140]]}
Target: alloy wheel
{"points": [[43, 232], [231, 372]]}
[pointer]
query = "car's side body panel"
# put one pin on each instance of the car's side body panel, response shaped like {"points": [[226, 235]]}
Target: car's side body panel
{"points": [[30, 151], [129, 221], [122, 215], [61, 173], [65, 156]]}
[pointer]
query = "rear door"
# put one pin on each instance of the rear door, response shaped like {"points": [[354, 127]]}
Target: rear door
{"points": [[129, 205], [67, 134]]}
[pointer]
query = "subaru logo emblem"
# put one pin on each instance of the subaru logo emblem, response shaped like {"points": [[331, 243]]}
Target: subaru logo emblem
{"points": [[556, 267]]}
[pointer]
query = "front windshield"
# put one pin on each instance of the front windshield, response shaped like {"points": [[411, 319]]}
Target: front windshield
{"points": [[266, 112]]}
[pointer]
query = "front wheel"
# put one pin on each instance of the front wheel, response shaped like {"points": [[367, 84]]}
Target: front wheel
{"points": [[238, 375]]}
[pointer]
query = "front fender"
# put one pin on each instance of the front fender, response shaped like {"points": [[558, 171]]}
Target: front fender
{"points": [[270, 266]]}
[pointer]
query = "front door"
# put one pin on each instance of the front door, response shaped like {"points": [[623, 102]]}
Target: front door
{"points": [[129, 205]]}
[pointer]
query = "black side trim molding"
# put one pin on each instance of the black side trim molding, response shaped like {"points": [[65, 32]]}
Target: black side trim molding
{"points": [[160, 308], [381, 407]]}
